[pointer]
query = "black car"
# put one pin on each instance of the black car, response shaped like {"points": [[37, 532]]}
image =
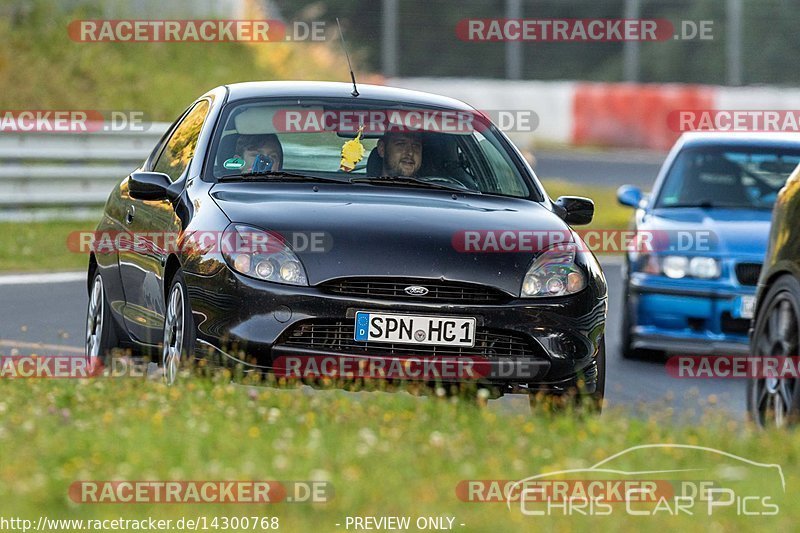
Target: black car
{"points": [[303, 220], [775, 399]]}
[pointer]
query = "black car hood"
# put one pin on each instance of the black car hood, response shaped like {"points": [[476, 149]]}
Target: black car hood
{"points": [[391, 231]]}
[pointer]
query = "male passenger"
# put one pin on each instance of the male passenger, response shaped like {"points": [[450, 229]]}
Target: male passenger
{"points": [[401, 153]]}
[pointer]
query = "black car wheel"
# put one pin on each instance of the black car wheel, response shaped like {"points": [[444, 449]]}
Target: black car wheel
{"points": [[179, 333], [101, 337], [774, 401]]}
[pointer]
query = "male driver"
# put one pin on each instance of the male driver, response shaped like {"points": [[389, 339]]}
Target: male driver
{"points": [[401, 153], [248, 147]]}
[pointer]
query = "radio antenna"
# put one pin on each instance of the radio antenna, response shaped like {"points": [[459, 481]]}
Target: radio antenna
{"points": [[349, 65]]}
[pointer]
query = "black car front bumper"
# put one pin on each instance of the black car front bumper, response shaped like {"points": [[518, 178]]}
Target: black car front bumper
{"points": [[543, 344]]}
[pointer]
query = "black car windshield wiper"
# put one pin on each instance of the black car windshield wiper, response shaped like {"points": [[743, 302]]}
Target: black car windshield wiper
{"points": [[707, 204], [276, 175], [409, 181]]}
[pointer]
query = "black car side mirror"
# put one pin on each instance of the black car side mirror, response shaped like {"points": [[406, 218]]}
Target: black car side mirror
{"points": [[150, 186], [575, 210]]}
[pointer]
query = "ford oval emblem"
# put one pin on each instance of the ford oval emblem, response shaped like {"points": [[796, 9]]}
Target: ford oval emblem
{"points": [[416, 290]]}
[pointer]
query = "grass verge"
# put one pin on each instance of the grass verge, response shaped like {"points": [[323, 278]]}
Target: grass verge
{"points": [[41, 246], [159, 79], [608, 213], [384, 454]]}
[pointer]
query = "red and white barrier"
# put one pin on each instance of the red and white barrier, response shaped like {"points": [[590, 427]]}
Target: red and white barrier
{"points": [[624, 115]]}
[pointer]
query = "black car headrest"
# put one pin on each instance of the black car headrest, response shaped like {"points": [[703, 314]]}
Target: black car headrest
{"points": [[374, 163], [225, 150]]}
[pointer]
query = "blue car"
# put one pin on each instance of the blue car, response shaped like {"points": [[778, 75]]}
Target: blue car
{"points": [[690, 282]]}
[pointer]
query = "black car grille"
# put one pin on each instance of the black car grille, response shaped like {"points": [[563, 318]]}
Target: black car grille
{"points": [[337, 336], [747, 273], [395, 289]]}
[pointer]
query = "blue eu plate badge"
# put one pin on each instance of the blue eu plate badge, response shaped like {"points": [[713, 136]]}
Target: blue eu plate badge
{"points": [[362, 325]]}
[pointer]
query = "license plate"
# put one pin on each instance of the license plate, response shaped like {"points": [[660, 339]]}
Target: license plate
{"points": [[747, 306], [415, 329]]}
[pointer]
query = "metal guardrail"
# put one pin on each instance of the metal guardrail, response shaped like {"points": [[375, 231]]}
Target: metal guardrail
{"points": [[45, 169]]}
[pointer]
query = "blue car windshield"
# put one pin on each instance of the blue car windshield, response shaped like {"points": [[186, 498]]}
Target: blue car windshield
{"points": [[727, 177]]}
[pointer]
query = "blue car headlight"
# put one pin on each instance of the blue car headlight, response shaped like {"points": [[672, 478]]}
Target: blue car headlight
{"points": [[262, 255], [680, 266], [554, 273]]}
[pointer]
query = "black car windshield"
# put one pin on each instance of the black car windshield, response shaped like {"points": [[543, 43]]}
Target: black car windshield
{"points": [[450, 149], [728, 177]]}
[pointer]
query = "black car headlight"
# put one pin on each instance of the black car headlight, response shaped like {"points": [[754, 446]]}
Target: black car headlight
{"points": [[262, 255], [554, 273]]}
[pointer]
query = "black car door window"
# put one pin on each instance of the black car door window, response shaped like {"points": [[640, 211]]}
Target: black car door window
{"points": [[179, 150]]}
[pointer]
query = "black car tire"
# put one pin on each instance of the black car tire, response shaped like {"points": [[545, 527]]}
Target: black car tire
{"points": [[625, 340], [101, 336], [600, 389], [776, 332], [179, 334]]}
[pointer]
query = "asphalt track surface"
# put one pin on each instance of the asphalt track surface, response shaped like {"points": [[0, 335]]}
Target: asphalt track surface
{"points": [[46, 316], [610, 169]]}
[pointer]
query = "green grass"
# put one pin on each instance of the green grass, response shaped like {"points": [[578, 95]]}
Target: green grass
{"points": [[41, 246], [56, 72], [385, 454], [608, 213]]}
